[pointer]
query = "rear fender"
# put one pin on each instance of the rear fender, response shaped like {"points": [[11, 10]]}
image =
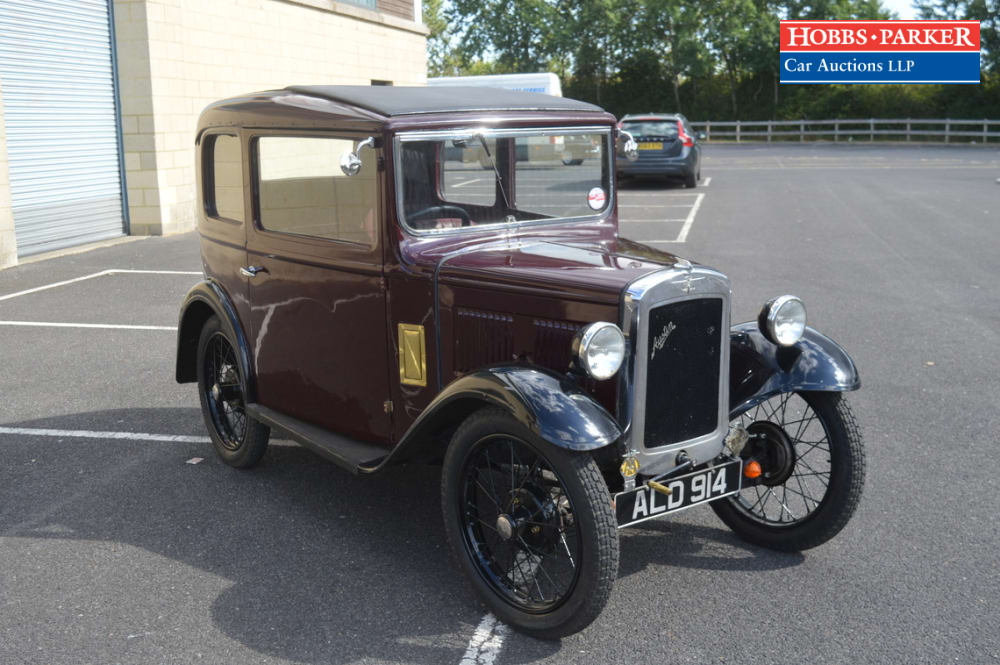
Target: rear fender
{"points": [[205, 299], [759, 369]]}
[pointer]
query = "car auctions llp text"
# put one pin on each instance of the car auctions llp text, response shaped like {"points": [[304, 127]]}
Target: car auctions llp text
{"points": [[879, 51]]}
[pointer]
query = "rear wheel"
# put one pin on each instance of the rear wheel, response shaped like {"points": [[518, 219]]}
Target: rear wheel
{"points": [[691, 180], [238, 439], [530, 524], [812, 460]]}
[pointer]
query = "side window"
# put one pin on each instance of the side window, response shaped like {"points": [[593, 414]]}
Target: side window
{"points": [[467, 173], [223, 168], [302, 190]]}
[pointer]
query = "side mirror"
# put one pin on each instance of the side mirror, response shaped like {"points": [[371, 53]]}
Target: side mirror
{"points": [[631, 148], [350, 163], [701, 136]]}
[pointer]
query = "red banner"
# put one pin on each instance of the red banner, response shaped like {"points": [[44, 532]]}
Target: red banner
{"points": [[911, 36]]}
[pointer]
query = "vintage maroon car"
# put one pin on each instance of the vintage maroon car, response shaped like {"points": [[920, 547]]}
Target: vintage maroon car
{"points": [[373, 293]]}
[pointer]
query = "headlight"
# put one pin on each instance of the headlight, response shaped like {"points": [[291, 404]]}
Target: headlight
{"points": [[599, 349], [783, 320]]}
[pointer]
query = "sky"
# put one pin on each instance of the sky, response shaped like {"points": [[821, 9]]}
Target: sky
{"points": [[901, 7]]}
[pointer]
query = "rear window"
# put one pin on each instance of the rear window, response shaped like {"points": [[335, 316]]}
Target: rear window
{"points": [[649, 128], [223, 176]]}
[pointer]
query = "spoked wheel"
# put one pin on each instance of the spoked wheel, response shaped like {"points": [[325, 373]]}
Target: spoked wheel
{"points": [[239, 440], [812, 463], [531, 525]]}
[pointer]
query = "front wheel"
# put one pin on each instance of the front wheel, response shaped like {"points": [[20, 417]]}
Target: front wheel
{"points": [[530, 524], [812, 462]]}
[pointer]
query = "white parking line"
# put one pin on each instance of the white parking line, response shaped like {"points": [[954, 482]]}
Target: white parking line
{"points": [[682, 236], [651, 221], [486, 642], [88, 434], [113, 271], [630, 194], [708, 181], [467, 182], [654, 205], [111, 326], [54, 285]]}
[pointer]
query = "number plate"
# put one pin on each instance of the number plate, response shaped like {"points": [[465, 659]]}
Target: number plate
{"points": [[651, 145], [644, 503]]}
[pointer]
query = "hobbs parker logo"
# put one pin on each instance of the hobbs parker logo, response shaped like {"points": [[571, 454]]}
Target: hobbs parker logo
{"points": [[879, 52]]}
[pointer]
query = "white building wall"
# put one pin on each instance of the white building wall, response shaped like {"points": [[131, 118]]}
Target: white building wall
{"points": [[177, 56]]}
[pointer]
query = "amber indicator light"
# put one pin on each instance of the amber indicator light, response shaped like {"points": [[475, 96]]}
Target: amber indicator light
{"points": [[752, 469]]}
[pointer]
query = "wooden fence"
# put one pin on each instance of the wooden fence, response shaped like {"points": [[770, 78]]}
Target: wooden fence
{"points": [[872, 129]]}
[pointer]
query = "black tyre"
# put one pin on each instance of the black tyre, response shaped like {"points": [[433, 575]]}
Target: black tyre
{"points": [[691, 180], [569, 161], [813, 461], [238, 439], [530, 524]]}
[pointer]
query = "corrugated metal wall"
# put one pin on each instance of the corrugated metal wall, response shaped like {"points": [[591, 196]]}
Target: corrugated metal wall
{"points": [[62, 135]]}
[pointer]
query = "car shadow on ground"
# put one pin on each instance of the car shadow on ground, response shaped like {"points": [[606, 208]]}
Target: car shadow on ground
{"points": [[678, 544], [324, 566], [650, 184]]}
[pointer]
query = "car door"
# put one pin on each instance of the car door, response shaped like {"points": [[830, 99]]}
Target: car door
{"points": [[317, 297]]}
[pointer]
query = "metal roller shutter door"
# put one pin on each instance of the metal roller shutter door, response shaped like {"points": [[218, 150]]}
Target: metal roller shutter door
{"points": [[58, 87]]}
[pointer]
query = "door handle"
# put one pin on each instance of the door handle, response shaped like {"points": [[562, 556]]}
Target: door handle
{"points": [[251, 271]]}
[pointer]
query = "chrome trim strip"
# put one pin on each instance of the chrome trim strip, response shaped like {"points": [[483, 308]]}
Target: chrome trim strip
{"points": [[672, 285], [404, 137]]}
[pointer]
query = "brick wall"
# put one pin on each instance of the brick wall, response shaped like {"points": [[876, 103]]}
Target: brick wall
{"points": [[8, 243], [177, 56]]}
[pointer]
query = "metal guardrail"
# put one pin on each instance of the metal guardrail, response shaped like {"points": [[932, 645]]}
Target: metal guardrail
{"points": [[908, 129]]}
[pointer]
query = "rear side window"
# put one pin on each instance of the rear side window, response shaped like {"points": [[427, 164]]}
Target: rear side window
{"points": [[302, 190], [223, 164]]}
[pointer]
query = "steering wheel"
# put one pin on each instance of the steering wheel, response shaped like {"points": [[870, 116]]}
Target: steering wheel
{"points": [[441, 211]]}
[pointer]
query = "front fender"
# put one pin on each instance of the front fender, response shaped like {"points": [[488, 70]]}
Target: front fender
{"points": [[551, 406], [759, 369]]}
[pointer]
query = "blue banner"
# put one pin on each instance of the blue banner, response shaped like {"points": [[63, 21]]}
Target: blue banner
{"points": [[867, 67]]}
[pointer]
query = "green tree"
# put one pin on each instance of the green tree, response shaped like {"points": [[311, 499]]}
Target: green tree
{"points": [[987, 12]]}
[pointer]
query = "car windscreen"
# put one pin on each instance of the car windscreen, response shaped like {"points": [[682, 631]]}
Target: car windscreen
{"points": [[458, 180], [665, 129]]}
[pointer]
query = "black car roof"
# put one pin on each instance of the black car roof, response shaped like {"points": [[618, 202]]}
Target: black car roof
{"points": [[399, 100]]}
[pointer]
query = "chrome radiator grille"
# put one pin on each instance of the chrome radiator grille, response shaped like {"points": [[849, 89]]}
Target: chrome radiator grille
{"points": [[682, 386], [674, 386]]}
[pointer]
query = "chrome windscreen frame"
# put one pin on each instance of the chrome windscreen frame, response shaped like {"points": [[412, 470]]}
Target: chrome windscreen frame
{"points": [[677, 284], [490, 132]]}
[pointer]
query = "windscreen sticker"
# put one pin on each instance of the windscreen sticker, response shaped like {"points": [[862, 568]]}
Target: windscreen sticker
{"points": [[596, 198]]}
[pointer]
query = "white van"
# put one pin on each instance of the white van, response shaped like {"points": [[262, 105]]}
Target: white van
{"points": [[544, 82]]}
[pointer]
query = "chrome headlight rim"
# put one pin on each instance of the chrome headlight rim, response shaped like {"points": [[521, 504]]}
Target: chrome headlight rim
{"points": [[582, 341], [767, 321]]}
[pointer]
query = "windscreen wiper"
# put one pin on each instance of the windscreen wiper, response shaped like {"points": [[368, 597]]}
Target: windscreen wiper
{"points": [[486, 149]]}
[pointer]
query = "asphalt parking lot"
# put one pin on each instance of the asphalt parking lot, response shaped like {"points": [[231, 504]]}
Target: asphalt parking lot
{"points": [[117, 549]]}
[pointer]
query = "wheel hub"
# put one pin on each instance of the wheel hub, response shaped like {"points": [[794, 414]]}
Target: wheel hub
{"points": [[771, 446], [534, 517], [505, 527]]}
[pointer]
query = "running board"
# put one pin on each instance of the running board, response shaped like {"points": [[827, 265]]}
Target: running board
{"points": [[355, 456]]}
